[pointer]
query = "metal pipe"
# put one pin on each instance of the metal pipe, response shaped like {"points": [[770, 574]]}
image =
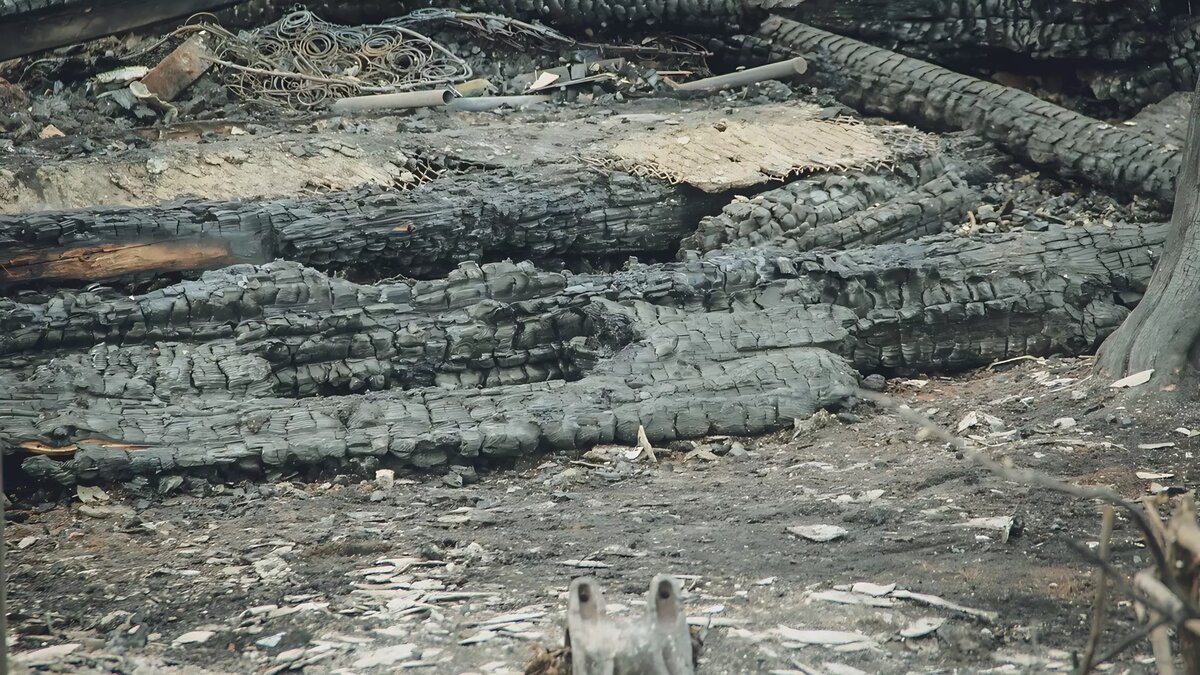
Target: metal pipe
{"points": [[485, 103], [771, 71], [407, 99]]}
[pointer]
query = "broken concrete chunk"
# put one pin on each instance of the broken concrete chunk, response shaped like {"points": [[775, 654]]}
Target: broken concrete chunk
{"points": [[868, 588], [826, 638]]}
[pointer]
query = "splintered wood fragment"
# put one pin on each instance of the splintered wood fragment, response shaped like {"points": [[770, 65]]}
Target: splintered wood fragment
{"points": [[935, 601], [644, 443], [586, 564], [1133, 380]]}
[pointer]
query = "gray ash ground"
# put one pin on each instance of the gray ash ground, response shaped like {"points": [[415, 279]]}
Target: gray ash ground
{"points": [[348, 576], [341, 574]]}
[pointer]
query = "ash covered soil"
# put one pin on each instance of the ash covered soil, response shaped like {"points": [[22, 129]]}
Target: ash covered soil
{"points": [[466, 572]]}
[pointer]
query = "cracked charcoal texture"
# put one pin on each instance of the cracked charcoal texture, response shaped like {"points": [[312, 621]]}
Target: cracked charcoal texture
{"points": [[36, 25], [574, 16], [262, 368], [882, 82], [541, 214], [1115, 31], [844, 209]]}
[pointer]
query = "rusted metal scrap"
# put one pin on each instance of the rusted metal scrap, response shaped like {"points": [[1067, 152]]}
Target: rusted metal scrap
{"points": [[179, 69]]}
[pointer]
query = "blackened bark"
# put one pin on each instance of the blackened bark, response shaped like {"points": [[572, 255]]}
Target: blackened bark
{"points": [[882, 82], [30, 26], [544, 214], [1161, 333], [262, 368]]}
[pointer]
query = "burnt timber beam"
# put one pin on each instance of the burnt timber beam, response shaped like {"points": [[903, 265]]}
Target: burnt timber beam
{"points": [[31, 26], [269, 368], [882, 82], [541, 213]]}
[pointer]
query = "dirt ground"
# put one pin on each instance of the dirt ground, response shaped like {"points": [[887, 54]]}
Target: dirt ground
{"points": [[354, 576]]}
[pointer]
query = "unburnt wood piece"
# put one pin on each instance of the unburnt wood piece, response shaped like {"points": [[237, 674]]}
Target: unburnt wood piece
{"points": [[879, 81], [542, 214]]}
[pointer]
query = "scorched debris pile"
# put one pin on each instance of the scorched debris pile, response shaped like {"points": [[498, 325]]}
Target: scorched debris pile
{"points": [[232, 280]]}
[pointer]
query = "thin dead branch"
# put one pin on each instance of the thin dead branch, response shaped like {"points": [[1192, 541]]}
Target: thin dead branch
{"points": [[1167, 590]]}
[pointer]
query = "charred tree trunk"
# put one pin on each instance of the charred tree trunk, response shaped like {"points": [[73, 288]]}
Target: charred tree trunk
{"points": [[1162, 332]]}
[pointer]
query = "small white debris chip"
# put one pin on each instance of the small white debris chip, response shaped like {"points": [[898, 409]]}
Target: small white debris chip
{"points": [[194, 637], [874, 590], [1156, 446], [1133, 380], [819, 533], [478, 638], [91, 495], [385, 656], [1151, 475], [586, 564], [845, 640], [922, 627], [46, 655]]}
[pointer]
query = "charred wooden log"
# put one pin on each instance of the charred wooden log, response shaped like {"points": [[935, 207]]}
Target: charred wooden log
{"points": [[540, 214], [853, 208], [880, 81], [223, 373], [1165, 121], [29, 26], [1141, 83], [957, 30]]}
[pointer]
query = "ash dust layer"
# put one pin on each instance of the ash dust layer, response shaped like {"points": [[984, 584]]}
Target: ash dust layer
{"points": [[391, 434], [357, 571]]}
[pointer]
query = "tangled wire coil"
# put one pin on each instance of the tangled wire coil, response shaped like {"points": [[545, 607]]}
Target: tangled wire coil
{"points": [[304, 62]]}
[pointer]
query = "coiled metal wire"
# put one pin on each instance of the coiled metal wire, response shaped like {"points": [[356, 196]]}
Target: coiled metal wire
{"points": [[306, 63]]}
